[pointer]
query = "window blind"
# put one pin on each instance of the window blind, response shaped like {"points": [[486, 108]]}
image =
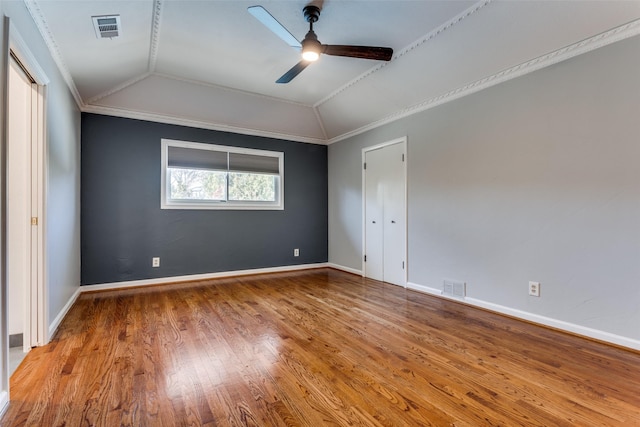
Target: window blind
{"points": [[190, 158], [239, 162]]}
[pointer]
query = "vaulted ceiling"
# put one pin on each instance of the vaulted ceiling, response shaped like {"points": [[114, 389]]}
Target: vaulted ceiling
{"points": [[211, 64]]}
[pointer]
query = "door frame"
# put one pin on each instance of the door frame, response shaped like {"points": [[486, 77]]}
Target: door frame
{"points": [[36, 330], [403, 141], [36, 315], [13, 42]]}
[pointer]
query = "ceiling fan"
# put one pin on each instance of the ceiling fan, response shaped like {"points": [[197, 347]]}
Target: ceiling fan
{"points": [[311, 47]]}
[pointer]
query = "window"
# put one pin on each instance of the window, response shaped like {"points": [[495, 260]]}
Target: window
{"points": [[205, 176]]}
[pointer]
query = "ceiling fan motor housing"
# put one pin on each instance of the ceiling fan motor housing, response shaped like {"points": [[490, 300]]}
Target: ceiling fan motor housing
{"points": [[311, 42], [311, 13]]}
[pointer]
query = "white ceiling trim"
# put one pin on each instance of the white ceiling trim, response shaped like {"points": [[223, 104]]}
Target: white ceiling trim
{"points": [[619, 33], [587, 45], [429, 36], [143, 76], [159, 118], [320, 123], [156, 22], [119, 87], [90, 107], [43, 28], [21, 50], [41, 24]]}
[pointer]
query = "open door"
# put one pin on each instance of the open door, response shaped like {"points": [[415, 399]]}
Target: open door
{"points": [[24, 310], [23, 208]]}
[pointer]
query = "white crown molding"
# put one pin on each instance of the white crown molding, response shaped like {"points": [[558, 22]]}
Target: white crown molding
{"points": [[429, 36], [172, 120], [38, 18], [587, 45], [619, 33], [320, 123], [90, 107], [156, 22]]}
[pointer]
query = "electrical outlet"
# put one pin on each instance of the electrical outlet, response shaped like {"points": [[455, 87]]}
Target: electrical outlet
{"points": [[155, 262], [296, 252], [534, 289]]}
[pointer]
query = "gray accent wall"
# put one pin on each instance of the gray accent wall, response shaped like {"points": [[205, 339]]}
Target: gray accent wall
{"points": [[62, 217], [535, 179], [123, 227]]}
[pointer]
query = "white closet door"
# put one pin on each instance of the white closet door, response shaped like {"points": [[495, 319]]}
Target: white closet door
{"points": [[19, 200], [394, 214], [374, 214], [385, 216]]}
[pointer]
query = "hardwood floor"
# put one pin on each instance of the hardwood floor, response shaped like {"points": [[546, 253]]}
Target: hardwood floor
{"points": [[313, 348]]}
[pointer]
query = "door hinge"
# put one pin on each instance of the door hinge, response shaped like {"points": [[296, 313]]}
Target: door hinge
{"points": [[365, 166], [34, 220], [365, 258], [403, 265], [403, 157]]}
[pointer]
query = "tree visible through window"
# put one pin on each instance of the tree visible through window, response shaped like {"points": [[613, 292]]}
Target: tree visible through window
{"points": [[252, 186], [204, 176], [197, 184]]}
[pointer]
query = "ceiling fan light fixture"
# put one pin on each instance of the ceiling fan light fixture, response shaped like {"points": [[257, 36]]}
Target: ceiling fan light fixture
{"points": [[311, 47], [310, 55]]}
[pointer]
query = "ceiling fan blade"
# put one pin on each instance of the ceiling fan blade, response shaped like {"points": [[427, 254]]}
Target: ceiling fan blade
{"points": [[364, 52], [290, 75], [261, 14]]}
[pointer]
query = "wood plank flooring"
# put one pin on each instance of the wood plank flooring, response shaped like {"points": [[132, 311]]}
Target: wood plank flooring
{"points": [[313, 348]]}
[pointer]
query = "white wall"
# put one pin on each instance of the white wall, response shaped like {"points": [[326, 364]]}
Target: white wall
{"points": [[62, 235], [534, 179]]}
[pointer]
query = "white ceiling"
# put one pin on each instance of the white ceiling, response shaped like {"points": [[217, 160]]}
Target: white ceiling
{"points": [[213, 65]]}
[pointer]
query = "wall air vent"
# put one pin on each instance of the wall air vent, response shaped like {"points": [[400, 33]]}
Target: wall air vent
{"points": [[453, 288], [107, 26]]}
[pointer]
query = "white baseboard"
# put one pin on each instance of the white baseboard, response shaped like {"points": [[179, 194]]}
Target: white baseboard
{"points": [[192, 277], [4, 401], [425, 289], [53, 327], [343, 268], [535, 318]]}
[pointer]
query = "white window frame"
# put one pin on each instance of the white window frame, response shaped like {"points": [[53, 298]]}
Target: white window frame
{"points": [[167, 203]]}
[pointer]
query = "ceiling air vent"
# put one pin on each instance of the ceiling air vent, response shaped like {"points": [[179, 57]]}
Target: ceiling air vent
{"points": [[107, 26]]}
